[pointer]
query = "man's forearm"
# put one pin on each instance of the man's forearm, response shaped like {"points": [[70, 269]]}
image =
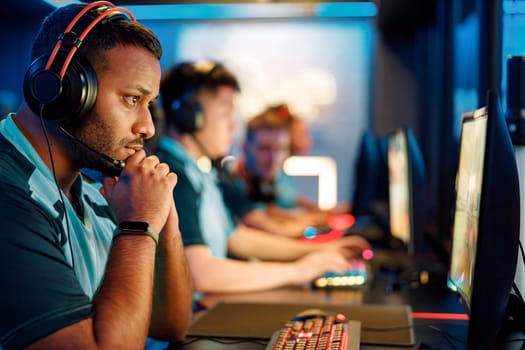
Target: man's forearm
{"points": [[172, 309], [123, 302], [251, 243]]}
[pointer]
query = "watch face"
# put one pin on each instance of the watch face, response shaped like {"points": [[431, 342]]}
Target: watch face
{"points": [[134, 225]]}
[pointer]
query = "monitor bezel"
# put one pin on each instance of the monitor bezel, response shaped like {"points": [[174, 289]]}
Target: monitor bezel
{"points": [[417, 190], [496, 256], [367, 170]]}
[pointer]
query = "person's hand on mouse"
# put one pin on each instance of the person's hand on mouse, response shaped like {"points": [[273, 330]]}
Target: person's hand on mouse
{"points": [[350, 246]]}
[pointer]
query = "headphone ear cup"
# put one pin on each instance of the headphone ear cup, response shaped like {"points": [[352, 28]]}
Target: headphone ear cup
{"points": [[60, 100], [187, 116], [41, 86]]}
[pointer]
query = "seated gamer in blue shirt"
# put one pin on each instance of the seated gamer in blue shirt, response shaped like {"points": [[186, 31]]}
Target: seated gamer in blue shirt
{"points": [[78, 265], [197, 98]]}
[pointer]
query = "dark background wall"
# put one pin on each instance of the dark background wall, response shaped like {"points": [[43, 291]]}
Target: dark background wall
{"points": [[19, 24]]}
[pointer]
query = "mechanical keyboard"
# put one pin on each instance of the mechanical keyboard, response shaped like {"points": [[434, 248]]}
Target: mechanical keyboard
{"points": [[316, 329]]}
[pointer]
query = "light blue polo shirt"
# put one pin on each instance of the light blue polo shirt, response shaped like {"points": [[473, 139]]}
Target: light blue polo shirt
{"points": [[55, 262], [203, 215]]}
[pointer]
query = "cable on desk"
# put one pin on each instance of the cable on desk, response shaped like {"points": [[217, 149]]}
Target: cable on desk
{"points": [[448, 337]]}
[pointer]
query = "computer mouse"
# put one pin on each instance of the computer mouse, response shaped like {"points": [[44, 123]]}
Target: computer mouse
{"points": [[316, 313]]}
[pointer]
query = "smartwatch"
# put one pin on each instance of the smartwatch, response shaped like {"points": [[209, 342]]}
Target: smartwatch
{"points": [[137, 228]]}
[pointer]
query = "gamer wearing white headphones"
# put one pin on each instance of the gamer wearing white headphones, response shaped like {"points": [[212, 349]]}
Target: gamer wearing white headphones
{"points": [[78, 266], [198, 100]]}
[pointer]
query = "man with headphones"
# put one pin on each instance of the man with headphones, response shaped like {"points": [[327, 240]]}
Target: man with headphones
{"points": [[265, 147], [85, 267], [267, 144], [198, 100]]}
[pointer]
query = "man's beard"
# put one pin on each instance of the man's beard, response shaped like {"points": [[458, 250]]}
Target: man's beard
{"points": [[85, 155], [91, 145]]}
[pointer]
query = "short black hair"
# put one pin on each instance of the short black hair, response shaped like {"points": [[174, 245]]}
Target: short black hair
{"points": [[104, 36], [188, 78]]}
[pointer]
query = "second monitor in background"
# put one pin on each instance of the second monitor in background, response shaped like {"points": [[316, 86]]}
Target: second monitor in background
{"points": [[390, 202]]}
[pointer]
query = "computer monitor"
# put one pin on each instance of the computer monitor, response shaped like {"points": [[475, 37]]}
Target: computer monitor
{"points": [[486, 223], [407, 189]]}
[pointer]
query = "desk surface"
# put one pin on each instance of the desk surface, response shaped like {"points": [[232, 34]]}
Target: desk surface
{"points": [[428, 302], [432, 298]]}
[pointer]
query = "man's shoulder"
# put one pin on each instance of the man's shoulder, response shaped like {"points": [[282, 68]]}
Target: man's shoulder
{"points": [[15, 169]]}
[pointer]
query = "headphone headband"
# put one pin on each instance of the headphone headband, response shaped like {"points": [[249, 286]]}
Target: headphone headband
{"points": [[61, 87], [110, 9]]}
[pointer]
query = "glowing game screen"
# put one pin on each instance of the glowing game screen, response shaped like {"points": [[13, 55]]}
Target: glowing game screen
{"points": [[399, 186], [466, 216]]}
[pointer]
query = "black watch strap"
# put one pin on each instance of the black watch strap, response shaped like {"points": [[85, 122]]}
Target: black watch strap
{"points": [[137, 228]]}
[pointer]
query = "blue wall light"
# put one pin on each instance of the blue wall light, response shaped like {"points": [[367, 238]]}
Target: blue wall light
{"points": [[345, 9], [513, 7], [255, 10]]}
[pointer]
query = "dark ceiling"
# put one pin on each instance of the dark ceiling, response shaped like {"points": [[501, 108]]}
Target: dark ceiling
{"points": [[25, 8]]}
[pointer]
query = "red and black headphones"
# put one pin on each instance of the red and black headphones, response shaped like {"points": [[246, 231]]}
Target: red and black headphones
{"points": [[62, 87]]}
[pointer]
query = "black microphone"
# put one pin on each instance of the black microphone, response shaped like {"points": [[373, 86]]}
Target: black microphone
{"points": [[117, 164]]}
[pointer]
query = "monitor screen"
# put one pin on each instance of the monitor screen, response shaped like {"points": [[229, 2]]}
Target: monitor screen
{"points": [[406, 189], [466, 215], [399, 186], [486, 223]]}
